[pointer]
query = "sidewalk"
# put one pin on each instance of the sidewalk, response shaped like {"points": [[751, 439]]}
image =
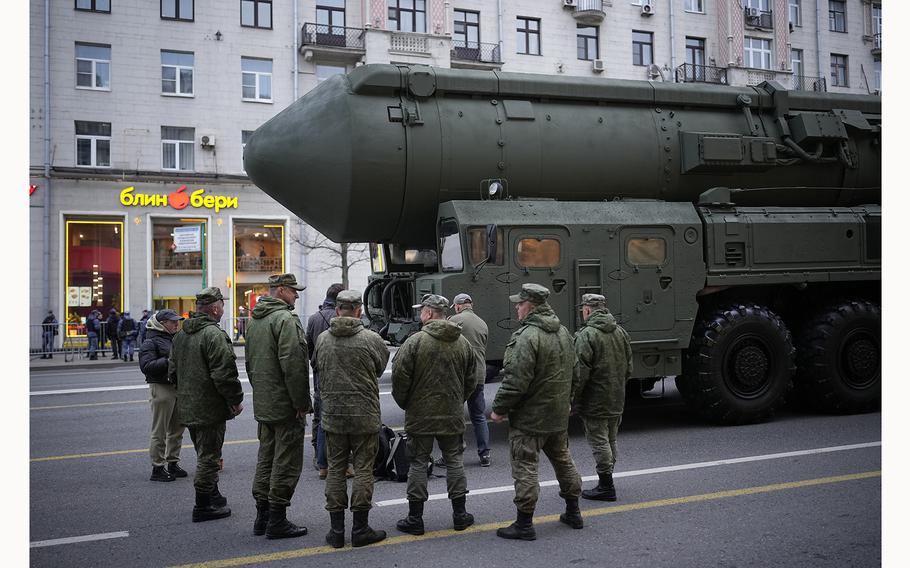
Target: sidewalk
{"points": [[36, 363]]}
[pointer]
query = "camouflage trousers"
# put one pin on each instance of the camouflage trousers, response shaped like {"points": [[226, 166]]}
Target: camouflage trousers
{"points": [[338, 448], [601, 436], [525, 451], [207, 440], [419, 448], [280, 461]]}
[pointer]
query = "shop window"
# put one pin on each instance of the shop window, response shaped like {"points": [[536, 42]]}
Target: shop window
{"points": [[646, 252], [536, 252], [258, 247], [94, 269], [178, 246], [477, 245]]}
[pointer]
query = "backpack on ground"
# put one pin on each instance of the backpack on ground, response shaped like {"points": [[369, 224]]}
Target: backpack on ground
{"points": [[392, 457]]}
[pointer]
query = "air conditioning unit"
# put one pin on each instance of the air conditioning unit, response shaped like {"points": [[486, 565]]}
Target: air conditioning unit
{"points": [[569, 3], [598, 66], [646, 8], [207, 141], [752, 12]]}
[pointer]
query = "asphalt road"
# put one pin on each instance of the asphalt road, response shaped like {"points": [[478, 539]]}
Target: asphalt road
{"points": [[803, 490]]}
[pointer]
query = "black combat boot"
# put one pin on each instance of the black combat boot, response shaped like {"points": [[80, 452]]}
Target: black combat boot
{"points": [[361, 533], [204, 511], [161, 474], [218, 500], [604, 491], [262, 518], [279, 526], [521, 529], [572, 516], [461, 518], [413, 523], [335, 536], [177, 471]]}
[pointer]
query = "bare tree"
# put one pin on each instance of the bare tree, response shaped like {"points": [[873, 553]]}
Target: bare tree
{"points": [[331, 255]]}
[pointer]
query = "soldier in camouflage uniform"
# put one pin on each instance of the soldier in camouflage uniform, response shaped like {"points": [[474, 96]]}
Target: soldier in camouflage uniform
{"points": [[604, 365], [432, 377], [350, 359], [536, 390], [203, 367], [276, 362]]}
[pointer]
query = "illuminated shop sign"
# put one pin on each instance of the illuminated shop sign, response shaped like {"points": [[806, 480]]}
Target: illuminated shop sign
{"points": [[177, 200]]}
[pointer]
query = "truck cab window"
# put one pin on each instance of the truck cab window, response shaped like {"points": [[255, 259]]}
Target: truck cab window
{"points": [[412, 256], [450, 246], [646, 252], [477, 246], [538, 253], [377, 258]]}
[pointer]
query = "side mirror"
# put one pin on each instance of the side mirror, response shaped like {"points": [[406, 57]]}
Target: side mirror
{"points": [[492, 243]]}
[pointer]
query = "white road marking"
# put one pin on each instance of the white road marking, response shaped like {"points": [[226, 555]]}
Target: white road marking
{"points": [[651, 471], [98, 389], [74, 539]]}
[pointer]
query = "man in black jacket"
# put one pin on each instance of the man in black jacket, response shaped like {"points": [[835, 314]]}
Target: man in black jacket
{"points": [[110, 328], [318, 323], [167, 432]]}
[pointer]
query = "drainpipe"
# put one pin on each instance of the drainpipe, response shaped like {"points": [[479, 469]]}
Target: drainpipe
{"points": [[818, 39], [672, 41], [46, 252], [294, 29], [730, 8], [499, 26]]}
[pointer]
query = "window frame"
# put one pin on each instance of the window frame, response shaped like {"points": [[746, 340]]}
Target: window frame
{"points": [[94, 63], [467, 25], [699, 10], [832, 15], [257, 84], [579, 37], [650, 45], [177, 152], [255, 23], [177, 79], [178, 17], [834, 68], [751, 50], [795, 4], [528, 32], [93, 141], [413, 11], [93, 8]]}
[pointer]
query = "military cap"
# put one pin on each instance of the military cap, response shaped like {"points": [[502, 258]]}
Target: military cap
{"points": [[209, 295], [433, 301], [531, 292], [286, 279], [592, 300], [348, 298], [167, 314], [462, 299]]}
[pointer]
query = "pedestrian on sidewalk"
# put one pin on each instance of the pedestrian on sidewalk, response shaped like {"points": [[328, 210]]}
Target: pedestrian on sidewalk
{"points": [[127, 332], [111, 329], [93, 327], [167, 432], [143, 322], [48, 332]]}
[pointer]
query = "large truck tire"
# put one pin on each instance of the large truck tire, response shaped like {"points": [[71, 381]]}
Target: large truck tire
{"points": [[739, 365], [839, 358]]}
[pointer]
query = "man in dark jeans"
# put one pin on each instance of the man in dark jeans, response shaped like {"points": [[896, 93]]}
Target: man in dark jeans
{"points": [[318, 323], [48, 332], [110, 327]]}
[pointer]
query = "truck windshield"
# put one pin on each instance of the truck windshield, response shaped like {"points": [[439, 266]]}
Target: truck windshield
{"points": [[450, 246]]}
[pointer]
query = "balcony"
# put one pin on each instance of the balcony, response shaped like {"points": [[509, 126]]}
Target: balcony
{"points": [[804, 83], [406, 42], [473, 55], [877, 45], [588, 12], [691, 73], [758, 19], [336, 42]]}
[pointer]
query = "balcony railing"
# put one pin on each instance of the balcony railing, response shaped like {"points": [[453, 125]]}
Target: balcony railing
{"points": [[759, 18], [409, 42], [691, 73], [473, 51], [589, 11], [877, 43], [804, 83], [332, 36]]}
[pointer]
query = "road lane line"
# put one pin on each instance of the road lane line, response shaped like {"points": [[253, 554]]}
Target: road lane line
{"points": [[98, 389], [653, 470], [88, 404], [547, 519], [123, 452], [74, 539]]}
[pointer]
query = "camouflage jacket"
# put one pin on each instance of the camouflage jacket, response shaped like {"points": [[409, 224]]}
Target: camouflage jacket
{"points": [[203, 366], [276, 362], [475, 331], [432, 377], [350, 359], [538, 369], [604, 365]]}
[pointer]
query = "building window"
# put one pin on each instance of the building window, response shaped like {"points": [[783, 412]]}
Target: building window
{"points": [[257, 79], [93, 144], [796, 13], [258, 252], [528, 40], [877, 77], [177, 148], [93, 66], [587, 42], [94, 5], [837, 15], [760, 5], [323, 72], [695, 57], [877, 21], [177, 247], [537, 253], [642, 48], [757, 52], [408, 15], [796, 65], [839, 70], [330, 22], [256, 13], [695, 6], [177, 10], [94, 268], [244, 138], [467, 30], [176, 73]]}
